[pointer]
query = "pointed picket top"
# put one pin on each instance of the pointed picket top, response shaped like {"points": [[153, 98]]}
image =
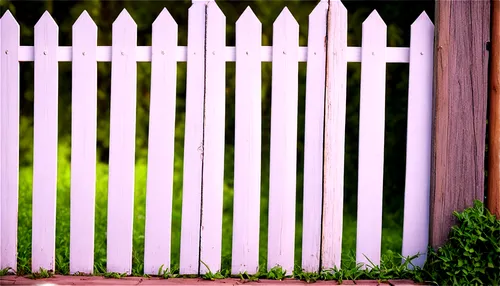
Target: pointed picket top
{"points": [[124, 19], [46, 36], [286, 20], [10, 32], [423, 22], [84, 22], [9, 22], [374, 20], [124, 32], [84, 36], [165, 31], [248, 19], [46, 22], [165, 19], [422, 31]]}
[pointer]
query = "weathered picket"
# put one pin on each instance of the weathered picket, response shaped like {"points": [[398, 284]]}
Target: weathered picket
{"points": [[206, 55], [213, 139], [335, 110], [193, 141], [313, 140]]}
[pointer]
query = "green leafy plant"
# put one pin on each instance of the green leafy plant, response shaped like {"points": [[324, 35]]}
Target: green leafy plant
{"points": [[42, 273], [114, 275], [23, 264], [309, 277], [167, 273], [471, 254], [390, 267], [333, 274], [276, 273], [5, 271], [249, 277], [213, 276]]}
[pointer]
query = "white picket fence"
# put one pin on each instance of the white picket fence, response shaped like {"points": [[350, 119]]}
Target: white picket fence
{"points": [[204, 138]]}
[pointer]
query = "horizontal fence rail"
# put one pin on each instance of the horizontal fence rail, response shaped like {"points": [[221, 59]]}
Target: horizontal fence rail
{"points": [[144, 54], [206, 54]]}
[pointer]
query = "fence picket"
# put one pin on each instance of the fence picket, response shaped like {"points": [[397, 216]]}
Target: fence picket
{"points": [[418, 153], [335, 113], [247, 145], [2, 216], [371, 140], [9, 140], [122, 144], [284, 105], [161, 144], [193, 141], [83, 144], [313, 138], [45, 144], [213, 150]]}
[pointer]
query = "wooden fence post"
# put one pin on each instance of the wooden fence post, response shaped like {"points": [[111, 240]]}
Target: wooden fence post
{"points": [[461, 72], [493, 197]]}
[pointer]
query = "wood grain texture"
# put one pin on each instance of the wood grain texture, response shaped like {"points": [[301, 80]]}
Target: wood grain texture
{"points": [[313, 138], [9, 141], [335, 117], [461, 71], [493, 196], [213, 142], [45, 144], [193, 141], [83, 145]]}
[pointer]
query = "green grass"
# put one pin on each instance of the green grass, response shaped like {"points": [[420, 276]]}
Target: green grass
{"points": [[391, 240], [4, 271], [41, 273]]}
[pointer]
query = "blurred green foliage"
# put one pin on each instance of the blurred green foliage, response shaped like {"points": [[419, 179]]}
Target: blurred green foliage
{"points": [[470, 255], [398, 16]]}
